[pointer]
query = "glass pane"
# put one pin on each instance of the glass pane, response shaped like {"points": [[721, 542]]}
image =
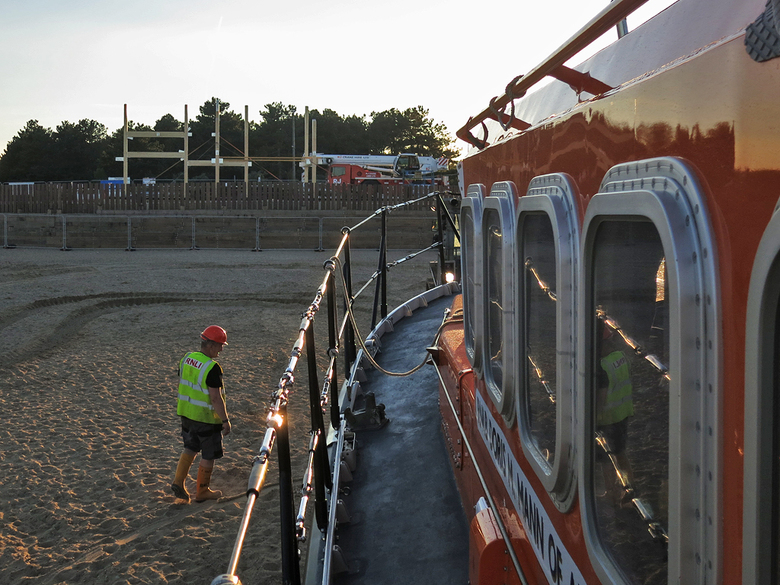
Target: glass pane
{"points": [[494, 292], [539, 265], [776, 454], [631, 397], [467, 268]]}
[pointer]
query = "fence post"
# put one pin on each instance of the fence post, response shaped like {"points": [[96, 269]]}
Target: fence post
{"points": [[193, 247], [257, 235], [129, 235], [64, 235]]}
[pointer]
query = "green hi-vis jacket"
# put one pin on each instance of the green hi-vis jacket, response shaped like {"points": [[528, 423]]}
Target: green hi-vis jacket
{"points": [[194, 400], [619, 403]]}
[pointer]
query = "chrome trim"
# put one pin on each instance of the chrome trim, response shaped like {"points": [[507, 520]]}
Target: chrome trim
{"points": [[502, 200], [472, 203], [761, 397], [667, 192], [555, 196]]}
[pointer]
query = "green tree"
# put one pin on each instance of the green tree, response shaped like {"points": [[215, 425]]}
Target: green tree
{"points": [[77, 150], [413, 131], [273, 137], [168, 124], [137, 167], [28, 157], [85, 151], [168, 168], [202, 141], [341, 135]]}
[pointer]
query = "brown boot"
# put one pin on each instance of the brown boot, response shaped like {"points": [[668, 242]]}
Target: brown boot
{"points": [[204, 493], [182, 470]]}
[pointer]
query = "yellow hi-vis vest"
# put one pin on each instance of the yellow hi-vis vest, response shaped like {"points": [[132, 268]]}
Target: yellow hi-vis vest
{"points": [[619, 402], [194, 400]]}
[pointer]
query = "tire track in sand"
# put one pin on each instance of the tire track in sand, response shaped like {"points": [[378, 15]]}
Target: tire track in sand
{"points": [[101, 304]]}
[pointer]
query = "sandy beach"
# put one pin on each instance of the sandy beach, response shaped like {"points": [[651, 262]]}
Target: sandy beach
{"points": [[88, 381]]}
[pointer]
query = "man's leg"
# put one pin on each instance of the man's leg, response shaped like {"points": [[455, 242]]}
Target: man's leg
{"points": [[205, 469], [182, 471]]}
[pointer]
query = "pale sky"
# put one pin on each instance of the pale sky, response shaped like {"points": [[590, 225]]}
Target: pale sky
{"points": [[74, 59]]}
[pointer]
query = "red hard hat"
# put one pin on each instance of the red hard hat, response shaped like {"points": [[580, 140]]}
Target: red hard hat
{"points": [[214, 333]]}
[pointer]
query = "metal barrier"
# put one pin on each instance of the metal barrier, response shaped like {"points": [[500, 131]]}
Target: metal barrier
{"points": [[185, 231], [318, 477]]}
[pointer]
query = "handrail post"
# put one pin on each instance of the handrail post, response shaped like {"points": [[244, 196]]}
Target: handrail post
{"points": [[381, 284], [290, 568], [321, 467], [335, 419], [349, 333], [440, 225], [383, 260]]}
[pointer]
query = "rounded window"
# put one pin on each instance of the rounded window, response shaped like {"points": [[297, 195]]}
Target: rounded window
{"points": [[498, 236], [762, 413], [650, 383], [471, 273], [547, 259]]}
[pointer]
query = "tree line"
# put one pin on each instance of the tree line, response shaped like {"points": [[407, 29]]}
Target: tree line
{"points": [[85, 151]]}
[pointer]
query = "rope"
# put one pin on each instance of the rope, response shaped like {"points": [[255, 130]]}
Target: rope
{"points": [[359, 337]]}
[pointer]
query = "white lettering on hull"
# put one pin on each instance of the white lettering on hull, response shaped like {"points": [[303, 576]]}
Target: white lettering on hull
{"points": [[558, 566]]}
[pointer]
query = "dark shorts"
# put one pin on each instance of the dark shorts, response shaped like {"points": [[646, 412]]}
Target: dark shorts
{"points": [[616, 435], [202, 437]]}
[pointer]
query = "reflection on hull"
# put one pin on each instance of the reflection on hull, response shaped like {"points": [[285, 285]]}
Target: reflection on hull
{"points": [[607, 251]]}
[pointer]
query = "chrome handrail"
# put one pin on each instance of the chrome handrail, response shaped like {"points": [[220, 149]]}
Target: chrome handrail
{"points": [[292, 526], [552, 66]]}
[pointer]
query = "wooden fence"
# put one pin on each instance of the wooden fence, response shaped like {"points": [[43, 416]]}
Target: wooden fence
{"points": [[232, 197]]}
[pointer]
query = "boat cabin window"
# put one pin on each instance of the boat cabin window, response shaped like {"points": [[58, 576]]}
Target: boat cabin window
{"points": [[495, 296], [498, 236], [761, 489], [471, 275], [538, 266], [649, 355], [775, 491], [630, 397], [547, 259]]}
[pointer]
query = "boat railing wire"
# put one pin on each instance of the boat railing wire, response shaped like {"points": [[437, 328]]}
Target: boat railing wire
{"points": [[343, 341]]}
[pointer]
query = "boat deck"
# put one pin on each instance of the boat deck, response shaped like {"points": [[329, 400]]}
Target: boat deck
{"points": [[407, 522]]}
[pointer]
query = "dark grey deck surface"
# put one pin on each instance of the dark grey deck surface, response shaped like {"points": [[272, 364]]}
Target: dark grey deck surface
{"points": [[408, 525]]}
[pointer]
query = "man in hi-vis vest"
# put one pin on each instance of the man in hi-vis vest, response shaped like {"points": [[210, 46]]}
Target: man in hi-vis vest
{"points": [[614, 406], [204, 417]]}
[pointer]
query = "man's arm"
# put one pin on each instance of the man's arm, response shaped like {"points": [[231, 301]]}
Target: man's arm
{"points": [[219, 407]]}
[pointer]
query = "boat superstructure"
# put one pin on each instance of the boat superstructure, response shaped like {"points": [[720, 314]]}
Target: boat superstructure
{"points": [[619, 250]]}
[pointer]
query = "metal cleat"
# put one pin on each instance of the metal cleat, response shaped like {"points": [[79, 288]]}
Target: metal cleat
{"points": [[370, 417]]}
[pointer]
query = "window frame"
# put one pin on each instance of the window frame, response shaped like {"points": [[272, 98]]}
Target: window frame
{"points": [[666, 192], [760, 407], [502, 198], [471, 248], [556, 197]]}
